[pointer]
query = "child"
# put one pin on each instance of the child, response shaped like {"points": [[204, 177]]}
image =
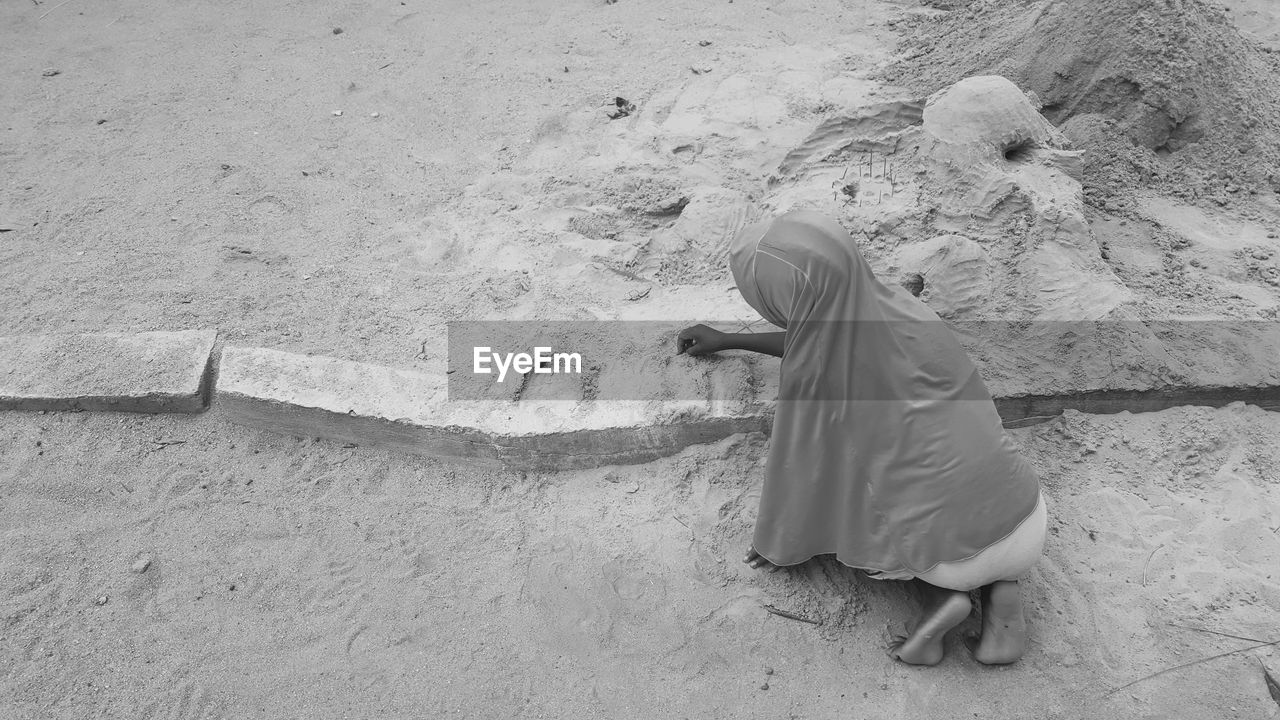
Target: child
{"points": [[886, 448]]}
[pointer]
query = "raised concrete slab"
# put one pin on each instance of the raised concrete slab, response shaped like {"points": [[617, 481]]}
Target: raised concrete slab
{"points": [[409, 411], [148, 372]]}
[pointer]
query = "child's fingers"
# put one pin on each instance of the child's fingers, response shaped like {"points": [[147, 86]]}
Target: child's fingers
{"points": [[684, 342]]}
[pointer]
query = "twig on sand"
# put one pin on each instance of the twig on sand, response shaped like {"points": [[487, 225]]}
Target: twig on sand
{"points": [[1148, 563], [55, 7], [162, 444], [790, 616], [1215, 632], [1190, 664]]}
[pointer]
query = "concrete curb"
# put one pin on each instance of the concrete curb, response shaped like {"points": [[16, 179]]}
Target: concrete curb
{"points": [[378, 405], [149, 372], [407, 411]]}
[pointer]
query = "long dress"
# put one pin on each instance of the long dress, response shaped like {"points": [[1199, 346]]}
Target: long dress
{"points": [[886, 447]]}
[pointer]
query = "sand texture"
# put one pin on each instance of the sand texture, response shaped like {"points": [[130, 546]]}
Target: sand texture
{"points": [[342, 182], [251, 575]]}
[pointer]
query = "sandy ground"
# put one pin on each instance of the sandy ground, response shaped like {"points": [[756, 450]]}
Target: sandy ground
{"points": [[293, 578], [184, 168]]}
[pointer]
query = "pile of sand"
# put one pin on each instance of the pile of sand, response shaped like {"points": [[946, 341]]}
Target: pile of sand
{"points": [[1162, 94]]}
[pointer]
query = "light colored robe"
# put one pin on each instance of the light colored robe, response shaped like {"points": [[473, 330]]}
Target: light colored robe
{"points": [[886, 448]]}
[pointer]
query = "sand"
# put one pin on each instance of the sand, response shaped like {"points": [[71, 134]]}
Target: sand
{"points": [[291, 578], [244, 574], [1176, 79]]}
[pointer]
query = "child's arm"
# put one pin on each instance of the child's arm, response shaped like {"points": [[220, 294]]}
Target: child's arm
{"points": [[702, 340]]}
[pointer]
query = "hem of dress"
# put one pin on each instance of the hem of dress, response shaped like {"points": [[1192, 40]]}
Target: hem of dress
{"points": [[915, 573]]}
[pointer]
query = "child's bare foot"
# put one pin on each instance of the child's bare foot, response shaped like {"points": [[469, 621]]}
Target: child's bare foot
{"points": [[757, 561], [1004, 629], [944, 610]]}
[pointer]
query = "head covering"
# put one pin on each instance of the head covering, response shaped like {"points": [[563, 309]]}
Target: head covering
{"points": [[886, 448]]}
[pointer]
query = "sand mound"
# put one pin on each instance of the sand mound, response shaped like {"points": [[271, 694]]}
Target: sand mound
{"points": [[977, 161], [1174, 79], [988, 111]]}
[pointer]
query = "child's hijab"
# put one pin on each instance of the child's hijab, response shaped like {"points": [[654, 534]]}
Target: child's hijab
{"points": [[886, 448]]}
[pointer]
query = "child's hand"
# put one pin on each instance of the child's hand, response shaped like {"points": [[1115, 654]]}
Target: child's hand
{"points": [[699, 340]]}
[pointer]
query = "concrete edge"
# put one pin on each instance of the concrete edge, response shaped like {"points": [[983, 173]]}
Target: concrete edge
{"points": [[587, 447], [578, 449], [151, 403], [184, 402], [1025, 410]]}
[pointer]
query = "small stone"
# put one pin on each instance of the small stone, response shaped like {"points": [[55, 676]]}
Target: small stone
{"points": [[620, 108], [337, 31], [101, 121], [50, 72], [704, 43], [764, 686], [374, 115], [337, 113], [204, 486], [768, 670], [102, 600], [141, 564], [700, 69]]}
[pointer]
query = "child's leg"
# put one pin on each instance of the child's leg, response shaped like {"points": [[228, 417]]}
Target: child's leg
{"points": [[941, 610], [1004, 629]]}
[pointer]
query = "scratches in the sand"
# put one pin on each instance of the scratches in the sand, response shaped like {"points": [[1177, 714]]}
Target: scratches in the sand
{"points": [[353, 636], [187, 700], [1148, 563]]}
